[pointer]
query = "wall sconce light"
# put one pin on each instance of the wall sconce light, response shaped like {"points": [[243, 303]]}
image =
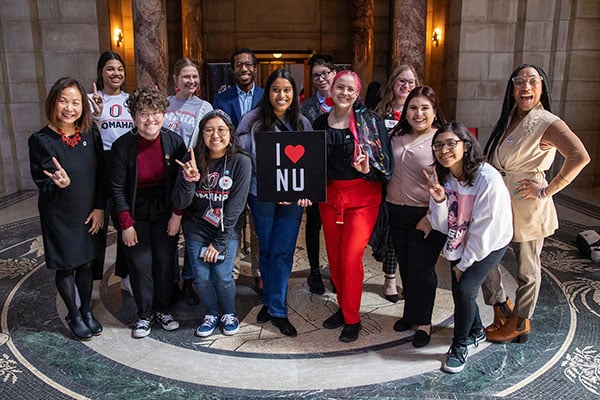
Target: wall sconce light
{"points": [[437, 36], [277, 55], [118, 37]]}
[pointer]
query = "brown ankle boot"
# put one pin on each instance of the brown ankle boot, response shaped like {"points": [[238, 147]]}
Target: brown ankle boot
{"points": [[515, 329], [501, 314]]}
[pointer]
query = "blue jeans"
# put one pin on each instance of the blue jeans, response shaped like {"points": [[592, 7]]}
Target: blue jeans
{"points": [[464, 293], [214, 281], [277, 229]]}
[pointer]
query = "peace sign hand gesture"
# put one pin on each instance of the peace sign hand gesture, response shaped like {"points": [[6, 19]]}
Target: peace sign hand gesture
{"points": [[435, 189], [97, 101], [60, 176], [190, 169]]}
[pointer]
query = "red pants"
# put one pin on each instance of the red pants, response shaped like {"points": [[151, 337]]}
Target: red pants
{"points": [[348, 218]]}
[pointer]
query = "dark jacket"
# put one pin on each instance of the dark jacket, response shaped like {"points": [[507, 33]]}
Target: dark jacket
{"points": [[123, 167], [228, 101], [311, 108]]}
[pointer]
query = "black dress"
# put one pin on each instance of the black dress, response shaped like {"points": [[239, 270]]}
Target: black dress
{"points": [[67, 243]]}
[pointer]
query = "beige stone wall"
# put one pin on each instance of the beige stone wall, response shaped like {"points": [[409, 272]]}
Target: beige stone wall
{"points": [[487, 40], [482, 42], [41, 42]]}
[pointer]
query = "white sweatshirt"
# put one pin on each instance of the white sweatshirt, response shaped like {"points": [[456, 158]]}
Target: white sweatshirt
{"points": [[477, 219]]}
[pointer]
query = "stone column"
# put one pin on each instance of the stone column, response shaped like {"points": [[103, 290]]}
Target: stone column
{"points": [[150, 35], [362, 37], [191, 32], [409, 32]]}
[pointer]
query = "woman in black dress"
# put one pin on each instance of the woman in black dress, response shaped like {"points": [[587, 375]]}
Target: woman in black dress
{"points": [[66, 164]]}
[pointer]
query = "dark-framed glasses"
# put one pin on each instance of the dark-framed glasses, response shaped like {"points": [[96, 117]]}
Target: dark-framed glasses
{"points": [[322, 75], [520, 81], [450, 144], [247, 64], [409, 82]]}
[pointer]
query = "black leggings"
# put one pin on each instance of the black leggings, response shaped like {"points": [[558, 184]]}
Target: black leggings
{"points": [[81, 277]]}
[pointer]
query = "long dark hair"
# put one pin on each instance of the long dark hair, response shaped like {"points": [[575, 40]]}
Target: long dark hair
{"points": [[509, 103], [266, 114], [84, 122], [473, 156], [104, 58], [403, 127], [201, 152]]}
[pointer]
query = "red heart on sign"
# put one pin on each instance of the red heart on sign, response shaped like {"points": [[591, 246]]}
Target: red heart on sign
{"points": [[294, 153]]}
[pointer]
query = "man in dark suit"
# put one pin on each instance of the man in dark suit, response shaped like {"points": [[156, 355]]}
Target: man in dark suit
{"points": [[245, 94], [237, 101]]}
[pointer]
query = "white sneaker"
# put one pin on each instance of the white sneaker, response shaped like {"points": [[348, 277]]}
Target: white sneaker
{"points": [[167, 321], [126, 285], [142, 328]]}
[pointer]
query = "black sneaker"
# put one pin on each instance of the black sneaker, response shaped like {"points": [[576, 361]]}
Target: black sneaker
{"points": [[189, 293], [142, 328], [315, 282], [457, 358]]}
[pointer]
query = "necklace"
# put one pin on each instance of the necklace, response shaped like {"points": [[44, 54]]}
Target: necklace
{"points": [[73, 140]]}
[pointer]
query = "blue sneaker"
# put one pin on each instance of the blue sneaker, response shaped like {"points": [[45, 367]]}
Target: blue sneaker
{"points": [[207, 326], [457, 358], [231, 324], [476, 337]]}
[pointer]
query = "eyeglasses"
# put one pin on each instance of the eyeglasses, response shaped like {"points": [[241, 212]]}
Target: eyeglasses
{"points": [[222, 132], [145, 115], [322, 75], [403, 82], [247, 64], [449, 144], [520, 82]]}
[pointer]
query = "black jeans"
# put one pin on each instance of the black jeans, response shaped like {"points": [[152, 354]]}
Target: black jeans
{"points": [[151, 264], [464, 293], [312, 235], [417, 257]]}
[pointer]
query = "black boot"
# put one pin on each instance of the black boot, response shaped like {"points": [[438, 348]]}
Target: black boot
{"points": [[79, 328], [189, 293], [91, 322], [285, 326], [350, 332], [315, 282], [335, 321]]}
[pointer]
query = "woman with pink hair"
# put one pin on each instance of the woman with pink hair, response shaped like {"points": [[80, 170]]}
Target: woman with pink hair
{"points": [[358, 162]]}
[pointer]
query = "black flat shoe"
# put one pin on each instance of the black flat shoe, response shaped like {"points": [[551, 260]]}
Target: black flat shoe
{"points": [[79, 328], [335, 321], [285, 326], [263, 315], [315, 282], [91, 322], [393, 298], [350, 332], [401, 325], [421, 338]]}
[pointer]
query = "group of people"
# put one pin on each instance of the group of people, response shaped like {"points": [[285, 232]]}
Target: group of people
{"points": [[159, 165]]}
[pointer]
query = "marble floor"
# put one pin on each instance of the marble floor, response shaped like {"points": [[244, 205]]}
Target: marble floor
{"points": [[40, 360]]}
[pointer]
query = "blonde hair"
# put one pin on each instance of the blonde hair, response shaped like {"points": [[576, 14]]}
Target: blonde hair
{"points": [[386, 105]]}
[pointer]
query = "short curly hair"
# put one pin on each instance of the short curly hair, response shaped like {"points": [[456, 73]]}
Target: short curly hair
{"points": [[146, 99]]}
